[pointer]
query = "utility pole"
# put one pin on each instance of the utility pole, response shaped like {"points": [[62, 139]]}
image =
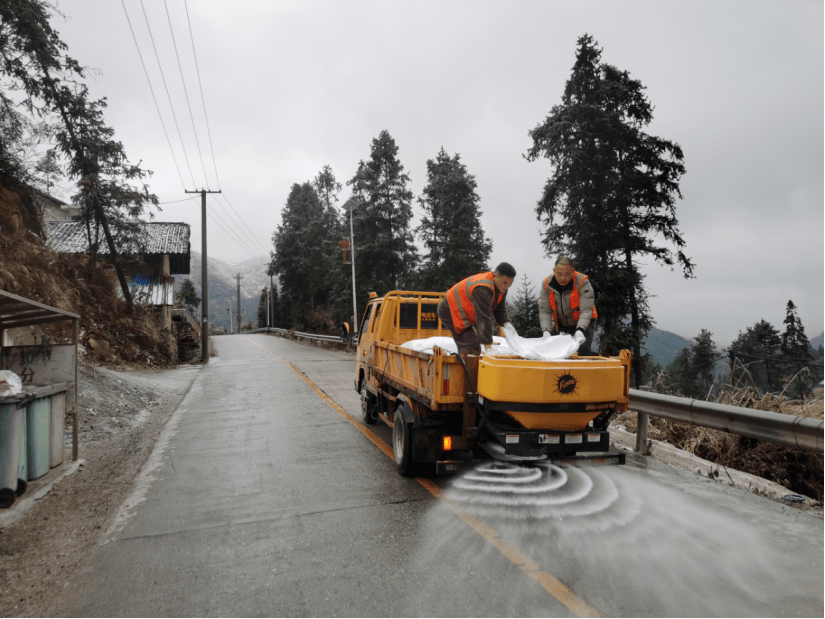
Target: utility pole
{"points": [[266, 292], [229, 311], [239, 277], [350, 205], [271, 305], [204, 282]]}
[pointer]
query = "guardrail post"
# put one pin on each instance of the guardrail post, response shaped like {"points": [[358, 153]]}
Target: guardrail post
{"points": [[641, 433], [642, 422]]}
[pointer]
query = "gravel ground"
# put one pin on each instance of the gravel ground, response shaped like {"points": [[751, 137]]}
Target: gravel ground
{"points": [[43, 555]]}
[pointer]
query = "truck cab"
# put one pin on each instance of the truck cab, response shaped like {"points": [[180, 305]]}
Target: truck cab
{"points": [[395, 318]]}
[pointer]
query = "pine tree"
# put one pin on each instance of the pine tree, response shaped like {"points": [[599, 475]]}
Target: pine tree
{"points": [[385, 256], [758, 351], [338, 276], [704, 357], [797, 350], [693, 371], [303, 255], [612, 193], [524, 310], [275, 309], [262, 307], [451, 228], [189, 296]]}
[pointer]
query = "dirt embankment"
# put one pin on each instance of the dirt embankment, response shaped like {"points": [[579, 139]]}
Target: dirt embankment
{"points": [[72, 282], [44, 554]]}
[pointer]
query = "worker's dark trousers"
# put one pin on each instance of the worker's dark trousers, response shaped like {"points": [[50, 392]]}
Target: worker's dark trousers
{"points": [[584, 349], [466, 341]]}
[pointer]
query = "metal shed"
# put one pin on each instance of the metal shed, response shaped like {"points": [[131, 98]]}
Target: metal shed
{"points": [[44, 369]]}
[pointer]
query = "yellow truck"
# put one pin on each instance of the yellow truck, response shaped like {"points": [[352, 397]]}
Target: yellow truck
{"points": [[446, 410]]}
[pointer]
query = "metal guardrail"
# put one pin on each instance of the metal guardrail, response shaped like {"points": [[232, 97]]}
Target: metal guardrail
{"points": [[798, 432], [307, 336]]}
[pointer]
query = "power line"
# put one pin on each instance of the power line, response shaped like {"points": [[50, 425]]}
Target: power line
{"points": [[228, 232], [203, 100], [234, 235], [175, 201], [242, 221], [186, 92], [146, 73], [239, 230], [168, 96]]}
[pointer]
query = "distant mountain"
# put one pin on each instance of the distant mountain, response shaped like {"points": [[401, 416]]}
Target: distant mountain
{"points": [[223, 287], [663, 346], [817, 341]]}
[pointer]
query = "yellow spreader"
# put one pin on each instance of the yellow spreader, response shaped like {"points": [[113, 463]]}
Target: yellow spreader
{"points": [[571, 392]]}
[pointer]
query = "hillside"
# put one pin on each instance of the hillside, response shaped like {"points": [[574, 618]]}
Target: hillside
{"points": [[223, 286], [663, 346]]}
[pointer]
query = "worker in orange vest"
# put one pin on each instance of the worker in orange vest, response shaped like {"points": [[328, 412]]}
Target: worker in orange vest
{"points": [[470, 309], [568, 305]]}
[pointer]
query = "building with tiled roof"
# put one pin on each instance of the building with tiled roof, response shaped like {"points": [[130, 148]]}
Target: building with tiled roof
{"points": [[156, 240], [163, 246]]}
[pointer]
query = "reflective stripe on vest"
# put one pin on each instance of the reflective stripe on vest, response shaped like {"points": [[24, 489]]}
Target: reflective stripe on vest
{"points": [[459, 298], [578, 281]]}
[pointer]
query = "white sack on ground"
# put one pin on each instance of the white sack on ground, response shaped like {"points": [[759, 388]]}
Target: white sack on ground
{"points": [[537, 349]]}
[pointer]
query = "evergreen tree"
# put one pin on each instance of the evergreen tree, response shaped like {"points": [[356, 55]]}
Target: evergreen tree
{"points": [[274, 302], [612, 193], [679, 375], [303, 255], [385, 256], [451, 229], [262, 307], [338, 279], [189, 296], [524, 310], [693, 371], [797, 350], [758, 349], [704, 357]]}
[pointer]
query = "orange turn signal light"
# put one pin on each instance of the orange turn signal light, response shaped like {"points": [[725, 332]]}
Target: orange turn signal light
{"points": [[448, 443]]}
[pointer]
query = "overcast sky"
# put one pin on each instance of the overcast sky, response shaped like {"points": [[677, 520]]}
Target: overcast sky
{"points": [[292, 86]]}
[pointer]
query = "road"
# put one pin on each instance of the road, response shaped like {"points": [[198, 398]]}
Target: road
{"points": [[265, 496]]}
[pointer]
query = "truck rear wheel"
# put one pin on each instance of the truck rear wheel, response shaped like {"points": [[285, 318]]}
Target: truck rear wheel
{"points": [[369, 405], [402, 444]]}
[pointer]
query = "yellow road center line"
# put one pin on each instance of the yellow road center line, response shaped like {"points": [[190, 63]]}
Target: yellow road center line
{"points": [[548, 582]]}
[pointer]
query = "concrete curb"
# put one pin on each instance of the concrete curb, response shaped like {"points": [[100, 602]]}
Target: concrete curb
{"points": [[22, 506], [669, 454]]}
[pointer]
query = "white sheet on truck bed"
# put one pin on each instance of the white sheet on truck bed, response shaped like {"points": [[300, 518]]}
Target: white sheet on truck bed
{"points": [[550, 348]]}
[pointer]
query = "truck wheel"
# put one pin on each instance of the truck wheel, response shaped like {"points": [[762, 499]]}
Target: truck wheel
{"points": [[402, 445], [369, 405]]}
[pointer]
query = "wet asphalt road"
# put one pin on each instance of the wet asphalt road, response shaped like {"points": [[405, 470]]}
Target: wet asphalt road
{"points": [[263, 500]]}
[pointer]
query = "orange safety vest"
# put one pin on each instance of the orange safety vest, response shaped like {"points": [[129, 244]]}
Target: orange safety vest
{"points": [[578, 280], [461, 303]]}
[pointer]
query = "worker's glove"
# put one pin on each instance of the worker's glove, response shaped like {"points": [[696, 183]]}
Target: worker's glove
{"points": [[509, 329], [546, 336], [579, 337]]}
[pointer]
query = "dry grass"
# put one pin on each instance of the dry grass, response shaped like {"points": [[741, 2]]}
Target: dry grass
{"points": [[799, 471]]}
